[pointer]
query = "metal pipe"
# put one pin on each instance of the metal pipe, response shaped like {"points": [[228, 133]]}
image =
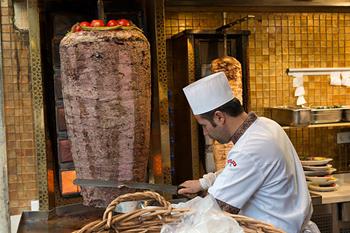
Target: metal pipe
{"points": [[101, 10], [316, 71], [223, 29], [224, 17], [237, 21]]}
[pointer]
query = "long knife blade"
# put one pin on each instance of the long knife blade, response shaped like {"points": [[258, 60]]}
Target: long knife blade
{"points": [[172, 189]]}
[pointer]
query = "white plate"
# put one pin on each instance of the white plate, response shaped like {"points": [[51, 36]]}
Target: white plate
{"points": [[320, 173], [308, 182], [317, 168], [314, 161], [323, 189], [321, 180]]}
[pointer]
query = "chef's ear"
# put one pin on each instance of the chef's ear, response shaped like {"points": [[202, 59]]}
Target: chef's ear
{"points": [[219, 117]]}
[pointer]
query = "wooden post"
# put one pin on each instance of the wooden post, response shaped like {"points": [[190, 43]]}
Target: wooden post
{"points": [[38, 103], [4, 191]]}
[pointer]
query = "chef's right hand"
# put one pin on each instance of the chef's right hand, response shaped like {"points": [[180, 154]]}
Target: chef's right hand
{"points": [[189, 187]]}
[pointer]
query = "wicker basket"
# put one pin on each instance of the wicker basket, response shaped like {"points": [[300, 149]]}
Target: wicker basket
{"points": [[152, 219]]}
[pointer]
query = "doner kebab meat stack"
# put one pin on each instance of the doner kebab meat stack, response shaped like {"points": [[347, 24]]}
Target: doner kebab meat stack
{"points": [[106, 81]]}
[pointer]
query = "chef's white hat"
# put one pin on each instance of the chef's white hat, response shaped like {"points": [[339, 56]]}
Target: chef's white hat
{"points": [[208, 93]]}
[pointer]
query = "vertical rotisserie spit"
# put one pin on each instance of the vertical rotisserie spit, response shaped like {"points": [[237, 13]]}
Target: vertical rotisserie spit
{"points": [[233, 70], [106, 81]]}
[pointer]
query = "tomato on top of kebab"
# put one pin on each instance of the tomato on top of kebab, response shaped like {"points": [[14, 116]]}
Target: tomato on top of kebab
{"points": [[98, 25], [85, 24]]}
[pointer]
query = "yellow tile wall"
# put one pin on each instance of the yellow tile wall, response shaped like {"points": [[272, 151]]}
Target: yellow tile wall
{"points": [[22, 171], [285, 40], [280, 41]]}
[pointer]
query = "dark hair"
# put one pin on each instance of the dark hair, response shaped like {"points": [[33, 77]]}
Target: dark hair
{"points": [[232, 108]]}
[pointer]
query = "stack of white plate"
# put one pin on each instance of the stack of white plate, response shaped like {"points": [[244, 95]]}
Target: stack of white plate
{"points": [[318, 172]]}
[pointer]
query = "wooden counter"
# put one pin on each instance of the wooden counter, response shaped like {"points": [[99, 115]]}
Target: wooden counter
{"points": [[341, 195]]}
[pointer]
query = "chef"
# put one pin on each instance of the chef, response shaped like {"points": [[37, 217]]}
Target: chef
{"points": [[263, 177]]}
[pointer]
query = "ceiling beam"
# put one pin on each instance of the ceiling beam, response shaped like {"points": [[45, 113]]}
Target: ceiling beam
{"points": [[258, 3]]}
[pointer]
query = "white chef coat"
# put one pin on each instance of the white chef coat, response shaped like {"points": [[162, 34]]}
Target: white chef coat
{"points": [[263, 177]]}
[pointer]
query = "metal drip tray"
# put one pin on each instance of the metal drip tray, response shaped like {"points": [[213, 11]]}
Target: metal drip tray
{"points": [[292, 116], [321, 115], [346, 114]]}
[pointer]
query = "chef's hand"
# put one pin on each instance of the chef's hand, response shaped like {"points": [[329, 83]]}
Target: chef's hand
{"points": [[189, 187]]}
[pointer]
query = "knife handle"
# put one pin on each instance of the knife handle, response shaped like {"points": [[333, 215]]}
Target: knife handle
{"points": [[178, 188]]}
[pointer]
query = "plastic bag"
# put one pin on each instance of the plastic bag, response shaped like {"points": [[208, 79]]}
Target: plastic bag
{"points": [[311, 227], [205, 217]]}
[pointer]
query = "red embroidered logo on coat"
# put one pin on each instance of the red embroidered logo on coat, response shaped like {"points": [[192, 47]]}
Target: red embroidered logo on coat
{"points": [[231, 163]]}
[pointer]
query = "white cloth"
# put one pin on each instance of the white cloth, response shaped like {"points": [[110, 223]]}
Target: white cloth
{"points": [[299, 91], [208, 179], [298, 80], [301, 100], [335, 79], [199, 94], [345, 79], [266, 180]]}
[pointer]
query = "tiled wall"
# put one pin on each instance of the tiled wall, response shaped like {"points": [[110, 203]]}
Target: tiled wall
{"points": [[289, 40], [18, 114], [280, 41]]}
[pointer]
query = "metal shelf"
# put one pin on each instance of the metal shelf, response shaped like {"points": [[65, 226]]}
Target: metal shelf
{"points": [[329, 125], [316, 71]]}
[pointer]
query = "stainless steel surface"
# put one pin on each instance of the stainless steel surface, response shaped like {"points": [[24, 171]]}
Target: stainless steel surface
{"points": [[329, 115], [60, 220], [315, 71], [346, 114], [290, 116], [101, 10], [172, 189]]}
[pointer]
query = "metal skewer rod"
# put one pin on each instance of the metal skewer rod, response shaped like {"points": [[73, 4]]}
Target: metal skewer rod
{"points": [[237, 21], [101, 10], [224, 16]]}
